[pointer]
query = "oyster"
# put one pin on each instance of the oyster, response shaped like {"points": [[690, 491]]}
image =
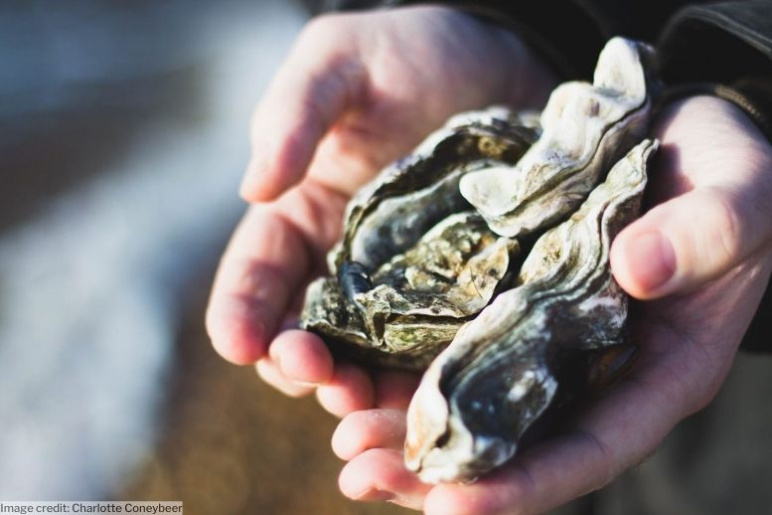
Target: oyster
{"points": [[484, 257], [416, 261], [502, 369]]}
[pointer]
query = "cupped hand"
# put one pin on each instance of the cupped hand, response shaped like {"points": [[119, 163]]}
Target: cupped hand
{"points": [[699, 260], [356, 92]]}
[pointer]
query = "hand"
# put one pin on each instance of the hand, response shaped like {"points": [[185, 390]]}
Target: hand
{"points": [[701, 259], [356, 92]]}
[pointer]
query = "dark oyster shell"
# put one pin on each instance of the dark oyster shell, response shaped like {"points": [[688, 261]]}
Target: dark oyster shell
{"points": [[485, 259], [416, 261]]}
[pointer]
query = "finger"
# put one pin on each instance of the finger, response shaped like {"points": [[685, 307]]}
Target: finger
{"points": [[270, 373], [302, 357], [380, 475], [369, 429], [394, 388], [618, 432], [350, 389], [688, 241], [313, 89], [254, 284]]}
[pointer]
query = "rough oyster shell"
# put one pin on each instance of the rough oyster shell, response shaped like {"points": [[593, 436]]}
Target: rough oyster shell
{"points": [[503, 251], [416, 262], [502, 369], [391, 213], [586, 129]]}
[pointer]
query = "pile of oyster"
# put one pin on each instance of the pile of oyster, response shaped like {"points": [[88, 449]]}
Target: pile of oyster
{"points": [[483, 259]]}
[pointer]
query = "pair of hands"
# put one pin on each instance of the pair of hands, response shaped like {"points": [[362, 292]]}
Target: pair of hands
{"points": [[360, 90]]}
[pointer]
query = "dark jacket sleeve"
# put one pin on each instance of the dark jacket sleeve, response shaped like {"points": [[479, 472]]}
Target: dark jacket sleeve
{"points": [[568, 34], [728, 44]]}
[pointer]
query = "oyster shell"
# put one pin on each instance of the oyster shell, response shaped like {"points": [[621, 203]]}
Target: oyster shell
{"points": [[502, 370], [416, 262], [484, 257], [587, 128], [391, 213]]}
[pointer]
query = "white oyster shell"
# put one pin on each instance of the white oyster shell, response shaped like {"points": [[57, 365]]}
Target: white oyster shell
{"points": [[586, 128], [500, 372]]}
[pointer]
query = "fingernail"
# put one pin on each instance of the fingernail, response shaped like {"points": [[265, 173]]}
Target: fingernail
{"points": [[652, 260]]}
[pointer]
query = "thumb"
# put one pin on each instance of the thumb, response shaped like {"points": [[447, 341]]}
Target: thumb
{"points": [[308, 95], [682, 244]]}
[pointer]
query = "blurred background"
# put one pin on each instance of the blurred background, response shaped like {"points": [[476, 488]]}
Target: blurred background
{"points": [[123, 136]]}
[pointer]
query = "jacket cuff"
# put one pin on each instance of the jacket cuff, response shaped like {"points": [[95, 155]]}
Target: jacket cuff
{"points": [[716, 43]]}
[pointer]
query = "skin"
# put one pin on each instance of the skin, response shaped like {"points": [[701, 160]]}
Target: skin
{"points": [[343, 105]]}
